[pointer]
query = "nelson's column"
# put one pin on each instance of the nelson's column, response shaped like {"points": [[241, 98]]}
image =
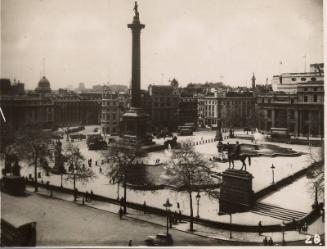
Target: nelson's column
{"points": [[135, 120]]}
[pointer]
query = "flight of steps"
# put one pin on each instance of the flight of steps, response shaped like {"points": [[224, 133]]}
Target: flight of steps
{"points": [[284, 214]]}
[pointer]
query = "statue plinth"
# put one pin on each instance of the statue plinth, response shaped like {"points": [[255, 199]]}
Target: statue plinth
{"points": [[236, 194]]}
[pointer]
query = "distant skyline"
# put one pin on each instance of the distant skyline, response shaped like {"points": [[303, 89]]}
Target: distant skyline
{"points": [[191, 40]]}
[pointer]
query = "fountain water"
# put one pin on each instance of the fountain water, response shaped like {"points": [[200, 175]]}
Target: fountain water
{"points": [[258, 137]]}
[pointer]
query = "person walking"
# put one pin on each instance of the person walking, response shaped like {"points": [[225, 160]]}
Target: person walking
{"points": [[144, 207], [120, 212], [130, 242], [259, 227], [299, 227], [265, 241], [270, 242]]}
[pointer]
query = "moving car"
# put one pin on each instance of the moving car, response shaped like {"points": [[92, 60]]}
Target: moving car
{"points": [[159, 240]]}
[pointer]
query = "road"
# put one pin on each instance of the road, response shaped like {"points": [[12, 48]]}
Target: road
{"points": [[63, 223]]}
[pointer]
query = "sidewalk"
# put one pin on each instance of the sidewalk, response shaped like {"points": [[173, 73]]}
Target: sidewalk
{"points": [[200, 230]]}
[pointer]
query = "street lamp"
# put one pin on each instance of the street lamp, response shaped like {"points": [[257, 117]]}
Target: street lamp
{"points": [[167, 205], [283, 230], [198, 196], [230, 222], [273, 173]]}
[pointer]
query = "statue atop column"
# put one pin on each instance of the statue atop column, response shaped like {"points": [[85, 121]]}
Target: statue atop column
{"points": [[136, 10]]}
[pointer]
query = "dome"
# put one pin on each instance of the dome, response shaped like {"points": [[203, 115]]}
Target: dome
{"points": [[43, 86]]}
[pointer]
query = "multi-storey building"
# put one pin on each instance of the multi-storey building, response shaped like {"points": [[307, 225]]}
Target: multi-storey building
{"points": [[236, 109], [46, 108], [114, 105], [301, 111], [207, 108], [164, 110], [188, 108], [288, 82]]}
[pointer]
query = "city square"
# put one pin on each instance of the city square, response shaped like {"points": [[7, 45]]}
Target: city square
{"points": [[202, 164]]}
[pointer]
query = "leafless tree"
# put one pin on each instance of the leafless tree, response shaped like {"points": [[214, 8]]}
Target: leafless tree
{"points": [[317, 173], [77, 171], [188, 168], [36, 147], [120, 161]]}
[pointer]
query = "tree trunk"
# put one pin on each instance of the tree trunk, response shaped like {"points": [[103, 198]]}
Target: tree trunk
{"points": [[74, 181], [61, 180], [191, 211], [125, 195], [35, 176], [118, 191]]}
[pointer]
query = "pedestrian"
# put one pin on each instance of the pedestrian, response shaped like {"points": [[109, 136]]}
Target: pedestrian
{"points": [[102, 162], [96, 163], [144, 207], [180, 216], [100, 170], [265, 241], [323, 215], [175, 217], [260, 227], [120, 212], [91, 195], [130, 242], [171, 220], [270, 242], [294, 223], [86, 196], [299, 227]]}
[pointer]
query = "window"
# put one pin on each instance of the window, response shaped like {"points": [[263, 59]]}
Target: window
{"points": [[305, 98], [305, 89], [291, 114], [315, 98], [303, 79], [292, 101], [293, 79], [269, 113], [315, 89], [313, 79]]}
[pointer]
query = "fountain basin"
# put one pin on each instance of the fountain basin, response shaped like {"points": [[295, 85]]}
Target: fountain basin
{"points": [[269, 150]]}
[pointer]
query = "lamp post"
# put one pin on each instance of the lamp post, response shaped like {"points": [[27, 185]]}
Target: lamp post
{"points": [[273, 173], [283, 230], [167, 205], [316, 196], [230, 222], [198, 196]]}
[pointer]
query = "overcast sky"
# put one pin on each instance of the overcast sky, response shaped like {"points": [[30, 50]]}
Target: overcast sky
{"points": [[191, 40]]}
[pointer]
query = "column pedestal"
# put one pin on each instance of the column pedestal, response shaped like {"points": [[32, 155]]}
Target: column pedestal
{"points": [[236, 194]]}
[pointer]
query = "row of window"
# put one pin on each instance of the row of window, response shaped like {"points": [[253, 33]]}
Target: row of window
{"points": [[106, 116], [304, 79]]}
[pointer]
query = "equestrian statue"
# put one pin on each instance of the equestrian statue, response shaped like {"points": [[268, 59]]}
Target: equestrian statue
{"points": [[234, 152]]}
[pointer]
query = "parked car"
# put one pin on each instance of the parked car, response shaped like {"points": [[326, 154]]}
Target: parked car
{"points": [[159, 240]]}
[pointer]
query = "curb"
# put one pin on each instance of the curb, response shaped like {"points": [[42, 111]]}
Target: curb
{"points": [[158, 224]]}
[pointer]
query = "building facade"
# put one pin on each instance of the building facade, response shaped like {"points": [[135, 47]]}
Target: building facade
{"points": [[288, 82], [46, 108], [302, 111], [164, 110], [236, 109], [114, 105]]}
